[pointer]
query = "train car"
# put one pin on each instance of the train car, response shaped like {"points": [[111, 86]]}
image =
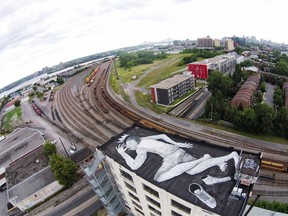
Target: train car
{"points": [[152, 125], [273, 165]]}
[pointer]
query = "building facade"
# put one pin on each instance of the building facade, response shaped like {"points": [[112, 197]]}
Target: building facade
{"points": [[245, 95], [161, 174], [229, 45], [205, 42], [216, 43], [223, 63], [167, 91]]}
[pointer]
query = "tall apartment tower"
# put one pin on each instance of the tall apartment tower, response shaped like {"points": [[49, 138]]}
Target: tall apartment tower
{"points": [[150, 179], [229, 44], [216, 43], [205, 42]]}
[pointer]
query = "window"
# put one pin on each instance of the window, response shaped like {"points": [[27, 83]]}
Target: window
{"points": [[137, 205], [127, 206], [139, 211], [130, 187], [133, 196], [150, 190], [126, 175], [180, 206], [173, 213], [153, 201], [154, 210]]}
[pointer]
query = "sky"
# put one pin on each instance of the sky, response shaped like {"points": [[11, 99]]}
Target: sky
{"points": [[39, 33]]}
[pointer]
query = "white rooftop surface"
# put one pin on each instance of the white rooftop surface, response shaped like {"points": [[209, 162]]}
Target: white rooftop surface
{"points": [[19, 143], [216, 59]]}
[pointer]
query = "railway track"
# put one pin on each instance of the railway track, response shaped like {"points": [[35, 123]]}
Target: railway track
{"points": [[97, 105]]}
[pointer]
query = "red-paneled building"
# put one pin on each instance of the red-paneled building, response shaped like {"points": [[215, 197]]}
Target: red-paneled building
{"points": [[223, 63], [200, 71]]}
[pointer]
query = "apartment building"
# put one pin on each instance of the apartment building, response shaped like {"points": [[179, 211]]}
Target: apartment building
{"points": [[162, 174], [229, 45], [205, 42], [167, 91], [245, 95], [223, 63], [216, 43]]}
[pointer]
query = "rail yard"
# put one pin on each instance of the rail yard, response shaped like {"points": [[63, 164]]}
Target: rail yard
{"points": [[88, 109]]}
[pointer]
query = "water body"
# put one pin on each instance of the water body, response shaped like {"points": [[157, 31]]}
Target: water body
{"points": [[30, 82]]}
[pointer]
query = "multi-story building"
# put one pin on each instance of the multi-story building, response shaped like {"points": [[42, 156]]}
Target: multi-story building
{"points": [[222, 63], [216, 43], [167, 91], [205, 42], [229, 45], [244, 96], [163, 174]]}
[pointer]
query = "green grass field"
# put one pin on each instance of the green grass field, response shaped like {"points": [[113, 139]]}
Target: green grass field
{"points": [[234, 130], [12, 118]]}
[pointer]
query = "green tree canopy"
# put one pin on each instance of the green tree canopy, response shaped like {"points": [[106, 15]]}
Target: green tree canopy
{"points": [[263, 87], [60, 80], [64, 169], [17, 103], [49, 149], [264, 116], [246, 120], [218, 82]]}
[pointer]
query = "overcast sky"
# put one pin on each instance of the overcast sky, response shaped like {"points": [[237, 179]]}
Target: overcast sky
{"points": [[39, 33]]}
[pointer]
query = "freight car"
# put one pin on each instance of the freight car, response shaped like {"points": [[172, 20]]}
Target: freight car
{"points": [[274, 165]]}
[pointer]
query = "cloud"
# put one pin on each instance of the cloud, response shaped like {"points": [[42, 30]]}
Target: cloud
{"points": [[35, 34]]}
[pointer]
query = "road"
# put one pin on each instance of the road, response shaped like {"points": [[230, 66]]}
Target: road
{"points": [[269, 94], [83, 203], [41, 124]]}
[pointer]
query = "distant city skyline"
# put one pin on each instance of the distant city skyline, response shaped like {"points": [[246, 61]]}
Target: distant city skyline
{"points": [[36, 34]]}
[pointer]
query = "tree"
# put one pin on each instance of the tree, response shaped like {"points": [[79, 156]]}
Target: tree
{"points": [[64, 169], [60, 80], [246, 120], [264, 116], [34, 88], [217, 81], [49, 149], [263, 87], [17, 103], [246, 63]]}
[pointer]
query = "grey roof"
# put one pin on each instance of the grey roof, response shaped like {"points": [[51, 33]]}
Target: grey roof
{"points": [[19, 143], [26, 166], [178, 186], [31, 185], [173, 81]]}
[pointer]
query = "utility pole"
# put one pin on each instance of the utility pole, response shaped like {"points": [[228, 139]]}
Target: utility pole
{"points": [[64, 147], [211, 112]]}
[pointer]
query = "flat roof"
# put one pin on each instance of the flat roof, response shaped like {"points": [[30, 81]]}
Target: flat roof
{"points": [[179, 186], [18, 143], [26, 166], [173, 81], [215, 60], [32, 184]]}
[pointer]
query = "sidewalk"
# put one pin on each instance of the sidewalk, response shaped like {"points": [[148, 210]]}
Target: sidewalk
{"points": [[79, 186]]}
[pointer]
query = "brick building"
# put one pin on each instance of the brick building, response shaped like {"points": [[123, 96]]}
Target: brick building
{"points": [[246, 92]]}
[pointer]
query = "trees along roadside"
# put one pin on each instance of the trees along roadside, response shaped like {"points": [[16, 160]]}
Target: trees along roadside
{"points": [[64, 169]]}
